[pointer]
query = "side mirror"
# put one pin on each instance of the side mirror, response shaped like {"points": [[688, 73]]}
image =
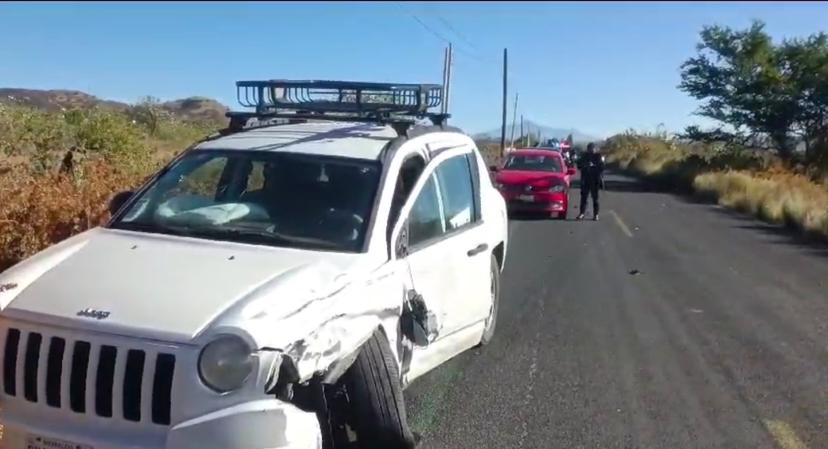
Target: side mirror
{"points": [[118, 201], [571, 171], [493, 168]]}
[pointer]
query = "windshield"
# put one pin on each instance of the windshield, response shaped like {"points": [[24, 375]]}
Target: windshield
{"points": [[533, 162], [277, 199]]}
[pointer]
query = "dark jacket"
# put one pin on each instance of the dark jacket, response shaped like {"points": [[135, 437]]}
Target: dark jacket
{"points": [[591, 167]]}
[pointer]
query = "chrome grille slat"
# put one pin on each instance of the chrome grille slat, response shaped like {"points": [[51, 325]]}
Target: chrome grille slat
{"points": [[146, 386], [66, 370], [91, 377], [88, 376], [42, 369], [118, 383]]}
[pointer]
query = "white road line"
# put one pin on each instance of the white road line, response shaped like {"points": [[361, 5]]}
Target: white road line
{"points": [[621, 224]]}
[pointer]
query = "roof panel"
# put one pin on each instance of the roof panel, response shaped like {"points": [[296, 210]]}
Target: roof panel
{"points": [[344, 139]]}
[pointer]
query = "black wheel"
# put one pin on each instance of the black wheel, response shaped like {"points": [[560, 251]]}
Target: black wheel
{"points": [[488, 332], [561, 215], [376, 399]]}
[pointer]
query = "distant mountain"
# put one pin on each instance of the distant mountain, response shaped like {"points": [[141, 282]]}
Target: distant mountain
{"points": [[190, 109], [547, 132]]}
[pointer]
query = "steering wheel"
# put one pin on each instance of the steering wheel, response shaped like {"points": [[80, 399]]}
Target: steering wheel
{"points": [[341, 224]]}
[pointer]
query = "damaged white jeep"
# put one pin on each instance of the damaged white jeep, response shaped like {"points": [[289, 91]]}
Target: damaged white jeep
{"points": [[275, 286]]}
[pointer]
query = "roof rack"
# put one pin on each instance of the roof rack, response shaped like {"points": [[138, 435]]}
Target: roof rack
{"points": [[399, 105]]}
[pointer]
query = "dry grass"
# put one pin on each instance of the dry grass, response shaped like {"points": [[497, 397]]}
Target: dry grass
{"points": [[751, 182], [782, 198]]}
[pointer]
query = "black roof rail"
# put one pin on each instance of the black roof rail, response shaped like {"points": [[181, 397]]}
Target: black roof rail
{"points": [[289, 101]]}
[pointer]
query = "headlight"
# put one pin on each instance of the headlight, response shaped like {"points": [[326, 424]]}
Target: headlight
{"points": [[225, 364], [557, 188]]}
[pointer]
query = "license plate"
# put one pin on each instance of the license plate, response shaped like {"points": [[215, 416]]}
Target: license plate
{"points": [[527, 198], [39, 442]]}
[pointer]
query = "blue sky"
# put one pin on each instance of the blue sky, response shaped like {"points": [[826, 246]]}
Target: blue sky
{"points": [[599, 67]]}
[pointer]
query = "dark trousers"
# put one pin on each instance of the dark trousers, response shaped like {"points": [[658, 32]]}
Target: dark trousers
{"points": [[587, 189]]}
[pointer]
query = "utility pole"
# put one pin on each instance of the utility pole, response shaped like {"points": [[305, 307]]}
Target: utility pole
{"points": [[443, 108], [521, 128], [514, 121], [503, 124], [448, 77]]}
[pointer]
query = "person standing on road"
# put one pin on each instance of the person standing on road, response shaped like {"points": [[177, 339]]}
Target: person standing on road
{"points": [[591, 166]]}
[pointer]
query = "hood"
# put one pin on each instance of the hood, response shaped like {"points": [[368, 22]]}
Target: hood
{"points": [[526, 177], [163, 287]]}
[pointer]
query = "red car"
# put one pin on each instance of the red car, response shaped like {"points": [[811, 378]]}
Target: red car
{"points": [[535, 180]]}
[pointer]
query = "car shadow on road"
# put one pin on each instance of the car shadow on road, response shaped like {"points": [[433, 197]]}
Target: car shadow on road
{"points": [[530, 216], [614, 184], [782, 235]]}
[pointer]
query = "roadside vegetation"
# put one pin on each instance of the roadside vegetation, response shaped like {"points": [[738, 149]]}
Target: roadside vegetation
{"points": [[751, 181], [58, 170], [769, 154]]}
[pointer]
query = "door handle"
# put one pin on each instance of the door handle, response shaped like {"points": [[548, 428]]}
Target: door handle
{"points": [[477, 250]]}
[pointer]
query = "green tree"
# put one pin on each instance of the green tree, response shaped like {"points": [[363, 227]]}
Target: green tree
{"points": [[738, 76], [148, 113], [806, 64]]}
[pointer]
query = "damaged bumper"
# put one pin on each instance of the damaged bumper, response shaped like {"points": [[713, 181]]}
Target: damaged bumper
{"points": [[263, 424]]}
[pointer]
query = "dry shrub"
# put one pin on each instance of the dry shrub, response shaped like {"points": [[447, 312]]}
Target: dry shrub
{"points": [[111, 152], [774, 196], [37, 211]]}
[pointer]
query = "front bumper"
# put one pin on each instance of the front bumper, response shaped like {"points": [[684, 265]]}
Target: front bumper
{"points": [[261, 424], [536, 202]]}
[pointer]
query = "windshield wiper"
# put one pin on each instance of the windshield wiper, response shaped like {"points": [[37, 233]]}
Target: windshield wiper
{"points": [[256, 236], [153, 228], [261, 237]]}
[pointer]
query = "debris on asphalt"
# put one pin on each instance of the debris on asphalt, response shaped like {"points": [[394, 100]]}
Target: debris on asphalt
{"points": [[635, 272], [696, 310]]}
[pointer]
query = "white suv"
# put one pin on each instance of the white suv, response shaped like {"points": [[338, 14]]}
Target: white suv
{"points": [[275, 287]]}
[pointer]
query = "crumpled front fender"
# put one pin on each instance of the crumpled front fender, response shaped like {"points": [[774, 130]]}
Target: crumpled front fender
{"points": [[337, 315]]}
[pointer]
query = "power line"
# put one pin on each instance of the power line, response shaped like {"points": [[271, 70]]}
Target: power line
{"points": [[430, 30], [456, 33], [447, 40]]}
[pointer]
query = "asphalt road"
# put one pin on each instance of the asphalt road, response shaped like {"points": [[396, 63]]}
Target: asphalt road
{"points": [[719, 341]]}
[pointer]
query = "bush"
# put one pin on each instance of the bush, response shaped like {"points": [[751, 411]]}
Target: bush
{"points": [[37, 211], [58, 170], [782, 198]]}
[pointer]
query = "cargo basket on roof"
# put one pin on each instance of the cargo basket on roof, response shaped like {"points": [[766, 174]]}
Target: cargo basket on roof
{"points": [[290, 100]]}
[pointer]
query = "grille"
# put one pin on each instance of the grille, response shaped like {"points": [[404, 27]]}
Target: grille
{"points": [[516, 188], [103, 380]]}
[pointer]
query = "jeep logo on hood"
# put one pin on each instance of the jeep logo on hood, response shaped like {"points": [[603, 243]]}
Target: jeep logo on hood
{"points": [[92, 313]]}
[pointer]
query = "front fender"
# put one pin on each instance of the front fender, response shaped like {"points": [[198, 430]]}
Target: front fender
{"points": [[325, 336]]}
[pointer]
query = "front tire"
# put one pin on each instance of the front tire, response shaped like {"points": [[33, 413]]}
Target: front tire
{"points": [[376, 398], [488, 331]]}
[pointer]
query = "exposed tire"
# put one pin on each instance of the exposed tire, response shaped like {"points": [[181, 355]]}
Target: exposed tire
{"points": [[376, 399], [491, 322]]}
